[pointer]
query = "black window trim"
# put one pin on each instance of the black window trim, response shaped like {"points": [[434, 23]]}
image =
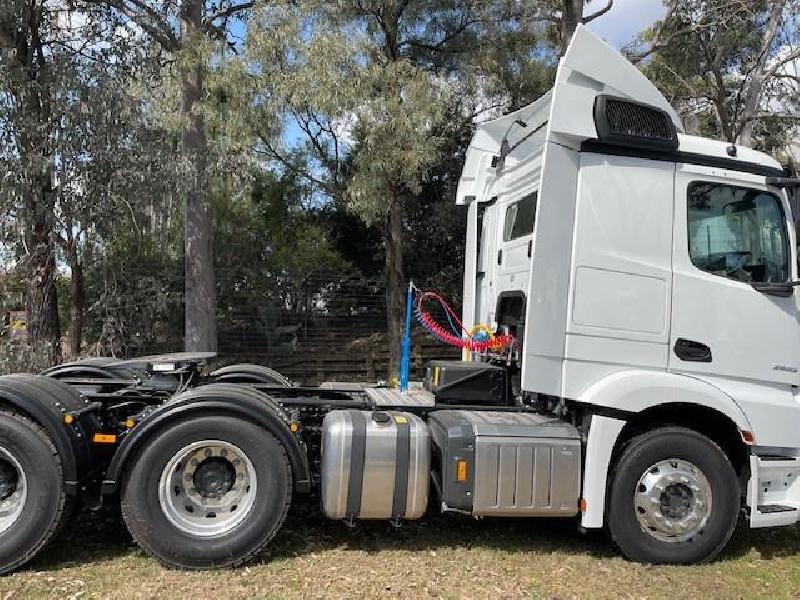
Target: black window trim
{"points": [[786, 238]]}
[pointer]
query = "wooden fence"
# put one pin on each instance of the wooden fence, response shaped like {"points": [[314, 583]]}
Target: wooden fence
{"points": [[362, 360]]}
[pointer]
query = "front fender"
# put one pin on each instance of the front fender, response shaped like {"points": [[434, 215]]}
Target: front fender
{"points": [[218, 398], [635, 391]]}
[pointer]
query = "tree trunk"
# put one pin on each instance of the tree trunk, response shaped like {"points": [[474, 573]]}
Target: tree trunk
{"points": [[41, 295], [760, 73], [39, 263], [200, 293], [571, 15], [394, 281], [77, 298]]}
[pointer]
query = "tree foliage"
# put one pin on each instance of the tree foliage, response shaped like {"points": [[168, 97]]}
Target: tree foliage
{"points": [[729, 66]]}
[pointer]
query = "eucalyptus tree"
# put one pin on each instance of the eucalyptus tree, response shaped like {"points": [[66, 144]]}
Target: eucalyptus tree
{"points": [[196, 33], [730, 66], [371, 86], [47, 48]]}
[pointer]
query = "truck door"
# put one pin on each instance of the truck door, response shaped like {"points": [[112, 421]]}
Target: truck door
{"points": [[514, 231], [731, 231]]}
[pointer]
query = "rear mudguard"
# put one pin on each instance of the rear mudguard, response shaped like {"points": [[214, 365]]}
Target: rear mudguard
{"points": [[46, 401], [247, 373], [216, 398]]}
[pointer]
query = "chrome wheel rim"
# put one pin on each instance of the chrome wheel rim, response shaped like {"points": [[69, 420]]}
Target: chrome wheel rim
{"points": [[673, 500], [208, 488], [13, 489]]}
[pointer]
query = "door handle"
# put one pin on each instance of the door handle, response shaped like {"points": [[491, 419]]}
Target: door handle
{"points": [[499, 257], [530, 248], [690, 350]]}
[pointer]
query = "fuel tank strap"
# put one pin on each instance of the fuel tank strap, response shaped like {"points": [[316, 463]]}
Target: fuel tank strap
{"points": [[357, 454], [401, 466]]}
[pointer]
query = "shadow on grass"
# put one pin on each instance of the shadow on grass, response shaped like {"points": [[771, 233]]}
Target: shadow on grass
{"points": [[93, 538], [308, 531]]}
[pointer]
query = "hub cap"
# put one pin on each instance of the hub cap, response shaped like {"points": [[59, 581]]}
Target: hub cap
{"points": [[673, 500], [13, 489], [207, 488]]}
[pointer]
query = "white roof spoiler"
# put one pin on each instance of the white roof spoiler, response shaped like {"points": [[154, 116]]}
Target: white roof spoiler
{"points": [[589, 67]]}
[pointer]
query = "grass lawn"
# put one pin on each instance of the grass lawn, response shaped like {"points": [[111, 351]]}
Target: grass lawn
{"points": [[446, 556]]}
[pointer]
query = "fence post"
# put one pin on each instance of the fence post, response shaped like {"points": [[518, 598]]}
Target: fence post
{"points": [[371, 365], [320, 369]]}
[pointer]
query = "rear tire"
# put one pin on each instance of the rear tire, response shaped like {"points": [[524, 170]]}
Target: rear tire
{"points": [[674, 498], [33, 500], [237, 453]]}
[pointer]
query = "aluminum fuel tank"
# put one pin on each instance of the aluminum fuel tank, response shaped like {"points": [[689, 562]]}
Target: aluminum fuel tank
{"points": [[375, 465]]}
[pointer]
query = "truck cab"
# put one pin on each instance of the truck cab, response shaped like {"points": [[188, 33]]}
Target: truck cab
{"points": [[654, 281]]}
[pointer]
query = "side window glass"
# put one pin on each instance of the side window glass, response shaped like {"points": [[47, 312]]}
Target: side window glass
{"points": [[737, 232], [520, 217]]}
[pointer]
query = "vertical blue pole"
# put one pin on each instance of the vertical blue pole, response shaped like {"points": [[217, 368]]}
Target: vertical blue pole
{"points": [[405, 347]]}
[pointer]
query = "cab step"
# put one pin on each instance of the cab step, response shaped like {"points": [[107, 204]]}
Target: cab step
{"points": [[775, 508], [774, 491]]}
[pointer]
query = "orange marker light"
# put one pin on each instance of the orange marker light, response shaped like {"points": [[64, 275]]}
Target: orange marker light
{"points": [[69, 419], [461, 470], [747, 437], [104, 438]]}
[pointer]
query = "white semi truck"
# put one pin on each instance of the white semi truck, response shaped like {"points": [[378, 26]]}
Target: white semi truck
{"points": [[648, 279]]}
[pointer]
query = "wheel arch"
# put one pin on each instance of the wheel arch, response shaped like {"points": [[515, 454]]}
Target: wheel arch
{"points": [[638, 391], [626, 404], [45, 401], [218, 399], [705, 420]]}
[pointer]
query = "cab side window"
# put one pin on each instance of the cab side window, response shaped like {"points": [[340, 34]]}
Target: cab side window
{"points": [[520, 217], [737, 232]]}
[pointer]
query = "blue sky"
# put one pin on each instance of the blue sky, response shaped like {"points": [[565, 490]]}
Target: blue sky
{"points": [[626, 19]]}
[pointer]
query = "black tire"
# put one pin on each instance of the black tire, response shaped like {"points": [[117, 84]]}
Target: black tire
{"points": [[158, 536], [642, 453], [46, 504]]}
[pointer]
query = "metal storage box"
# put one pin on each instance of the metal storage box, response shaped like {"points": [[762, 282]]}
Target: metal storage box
{"points": [[506, 463], [375, 465], [459, 382]]}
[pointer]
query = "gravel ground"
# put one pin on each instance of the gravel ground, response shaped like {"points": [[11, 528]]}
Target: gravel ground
{"points": [[443, 556]]}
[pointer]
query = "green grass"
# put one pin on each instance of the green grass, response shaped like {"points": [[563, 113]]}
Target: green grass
{"points": [[446, 556]]}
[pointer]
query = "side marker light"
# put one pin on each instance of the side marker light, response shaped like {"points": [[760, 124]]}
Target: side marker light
{"points": [[461, 470]]}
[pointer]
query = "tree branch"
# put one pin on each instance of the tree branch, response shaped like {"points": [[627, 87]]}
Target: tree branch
{"points": [[231, 10], [274, 154], [657, 43], [599, 13], [437, 47], [148, 19], [773, 69]]}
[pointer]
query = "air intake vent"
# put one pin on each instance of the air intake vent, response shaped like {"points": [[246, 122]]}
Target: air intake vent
{"points": [[628, 123]]}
